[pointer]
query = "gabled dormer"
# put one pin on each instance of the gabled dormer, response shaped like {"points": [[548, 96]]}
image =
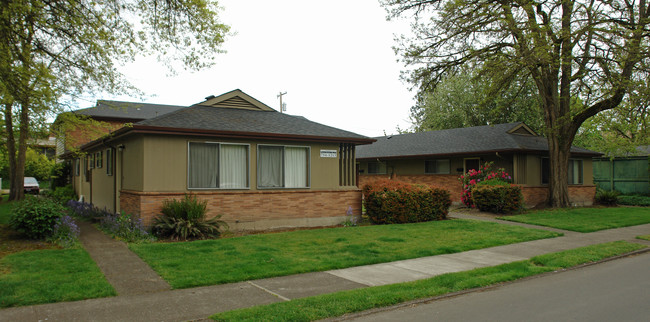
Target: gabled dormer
{"points": [[236, 99], [522, 129]]}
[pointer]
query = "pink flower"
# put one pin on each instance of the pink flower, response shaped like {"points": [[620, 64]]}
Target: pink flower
{"points": [[473, 181]]}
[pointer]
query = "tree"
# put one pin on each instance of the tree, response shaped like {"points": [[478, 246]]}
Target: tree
{"points": [[463, 100], [56, 48], [584, 56]]}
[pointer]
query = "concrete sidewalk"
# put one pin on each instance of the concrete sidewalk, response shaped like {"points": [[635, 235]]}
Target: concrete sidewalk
{"points": [[156, 304]]}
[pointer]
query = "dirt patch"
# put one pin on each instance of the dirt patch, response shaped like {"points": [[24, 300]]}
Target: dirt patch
{"points": [[12, 242]]}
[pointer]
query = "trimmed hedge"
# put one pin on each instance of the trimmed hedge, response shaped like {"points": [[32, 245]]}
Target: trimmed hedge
{"points": [[396, 202], [634, 200], [497, 198]]}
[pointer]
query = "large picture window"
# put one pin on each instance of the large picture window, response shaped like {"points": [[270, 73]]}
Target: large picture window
{"points": [[282, 167], [217, 166], [436, 166], [574, 174]]}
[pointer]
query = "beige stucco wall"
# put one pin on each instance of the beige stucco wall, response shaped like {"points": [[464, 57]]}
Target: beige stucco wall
{"points": [[158, 163]]}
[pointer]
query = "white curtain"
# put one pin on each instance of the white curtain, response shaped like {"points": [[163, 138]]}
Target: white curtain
{"points": [[270, 166], [233, 166], [295, 167], [203, 161]]}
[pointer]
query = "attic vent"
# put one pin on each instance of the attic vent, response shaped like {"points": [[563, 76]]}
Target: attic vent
{"points": [[209, 97], [236, 102], [521, 131]]}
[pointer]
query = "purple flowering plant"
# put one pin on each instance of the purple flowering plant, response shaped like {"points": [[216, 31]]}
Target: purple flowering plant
{"points": [[65, 232]]}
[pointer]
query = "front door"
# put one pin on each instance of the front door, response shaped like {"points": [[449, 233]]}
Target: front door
{"points": [[473, 163]]}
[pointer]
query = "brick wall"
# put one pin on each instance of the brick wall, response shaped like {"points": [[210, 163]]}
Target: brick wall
{"points": [[256, 209], [534, 196]]}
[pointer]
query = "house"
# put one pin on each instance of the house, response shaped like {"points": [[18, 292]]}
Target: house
{"points": [[440, 157], [258, 168], [110, 116], [628, 174]]}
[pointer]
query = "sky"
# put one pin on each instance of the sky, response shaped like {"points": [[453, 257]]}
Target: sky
{"points": [[334, 59]]}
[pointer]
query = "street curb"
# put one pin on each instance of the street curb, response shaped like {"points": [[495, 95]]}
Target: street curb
{"points": [[481, 289]]}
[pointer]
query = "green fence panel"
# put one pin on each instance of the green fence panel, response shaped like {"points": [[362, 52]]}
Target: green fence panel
{"points": [[629, 175]]}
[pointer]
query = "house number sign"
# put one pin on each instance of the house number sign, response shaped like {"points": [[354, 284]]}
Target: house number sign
{"points": [[328, 153]]}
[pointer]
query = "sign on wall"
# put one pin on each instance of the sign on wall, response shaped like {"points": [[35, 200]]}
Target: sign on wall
{"points": [[328, 153]]}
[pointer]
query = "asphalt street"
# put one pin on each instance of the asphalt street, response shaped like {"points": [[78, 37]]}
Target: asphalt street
{"points": [[618, 290]]}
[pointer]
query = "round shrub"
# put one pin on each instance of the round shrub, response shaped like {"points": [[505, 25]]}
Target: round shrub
{"points": [[497, 196], [35, 217], [607, 197], [394, 202]]}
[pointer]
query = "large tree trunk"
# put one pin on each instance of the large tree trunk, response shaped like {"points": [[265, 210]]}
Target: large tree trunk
{"points": [[558, 181], [17, 158]]}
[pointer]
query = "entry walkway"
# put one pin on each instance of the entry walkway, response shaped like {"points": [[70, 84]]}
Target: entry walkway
{"points": [[154, 302]]}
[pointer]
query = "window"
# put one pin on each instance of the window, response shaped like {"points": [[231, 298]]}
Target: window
{"points": [[98, 159], [109, 162], [574, 174], [282, 166], [91, 161], [376, 168], [77, 166], [217, 166], [437, 166]]}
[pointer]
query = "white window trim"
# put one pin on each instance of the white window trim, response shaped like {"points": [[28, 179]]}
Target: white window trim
{"points": [[283, 187], [248, 164]]}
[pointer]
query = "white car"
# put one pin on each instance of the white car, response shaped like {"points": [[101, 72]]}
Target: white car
{"points": [[31, 185]]}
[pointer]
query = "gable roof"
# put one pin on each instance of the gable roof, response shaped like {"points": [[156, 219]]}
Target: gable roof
{"points": [[509, 137], [130, 111], [237, 115]]}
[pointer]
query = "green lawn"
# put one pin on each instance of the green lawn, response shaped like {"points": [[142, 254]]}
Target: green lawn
{"points": [[585, 220], [227, 260], [45, 276], [337, 304], [644, 237], [5, 210]]}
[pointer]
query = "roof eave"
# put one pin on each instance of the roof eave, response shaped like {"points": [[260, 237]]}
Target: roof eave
{"points": [[419, 156]]}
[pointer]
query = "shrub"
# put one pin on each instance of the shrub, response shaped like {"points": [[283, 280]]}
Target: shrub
{"points": [[473, 177], [634, 200], [497, 196], [607, 197], [66, 232], [185, 219], [63, 194], [123, 226], [392, 202], [35, 217]]}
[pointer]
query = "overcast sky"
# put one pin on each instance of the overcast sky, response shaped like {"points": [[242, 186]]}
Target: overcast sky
{"points": [[333, 58]]}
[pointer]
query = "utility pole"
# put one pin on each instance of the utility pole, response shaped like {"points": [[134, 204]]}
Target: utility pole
{"points": [[280, 97]]}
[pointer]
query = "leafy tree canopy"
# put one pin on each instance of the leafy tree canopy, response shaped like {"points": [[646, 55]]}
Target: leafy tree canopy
{"points": [[587, 51]]}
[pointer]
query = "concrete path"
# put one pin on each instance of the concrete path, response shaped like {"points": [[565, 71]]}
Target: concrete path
{"points": [[123, 269], [149, 300]]}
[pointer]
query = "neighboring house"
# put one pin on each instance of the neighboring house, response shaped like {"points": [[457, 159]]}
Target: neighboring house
{"points": [[46, 146], [440, 157], [629, 174], [112, 115], [257, 167]]}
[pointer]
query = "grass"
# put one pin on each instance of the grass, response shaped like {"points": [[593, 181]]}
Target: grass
{"points": [[5, 210], [46, 276], [644, 237], [210, 262], [337, 304], [585, 220]]}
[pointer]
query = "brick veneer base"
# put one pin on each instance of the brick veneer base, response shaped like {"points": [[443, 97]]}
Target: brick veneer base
{"points": [[256, 210], [534, 196]]}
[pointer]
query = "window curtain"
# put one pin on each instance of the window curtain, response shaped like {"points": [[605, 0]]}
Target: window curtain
{"points": [[270, 166], [443, 167], [204, 169], [295, 167], [233, 166]]}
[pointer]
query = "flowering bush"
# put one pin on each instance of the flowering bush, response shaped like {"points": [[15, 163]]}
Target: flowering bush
{"points": [[66, 232], [391, 202], [124, 226], [484, 173], [352, 220], [84, 210]]}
